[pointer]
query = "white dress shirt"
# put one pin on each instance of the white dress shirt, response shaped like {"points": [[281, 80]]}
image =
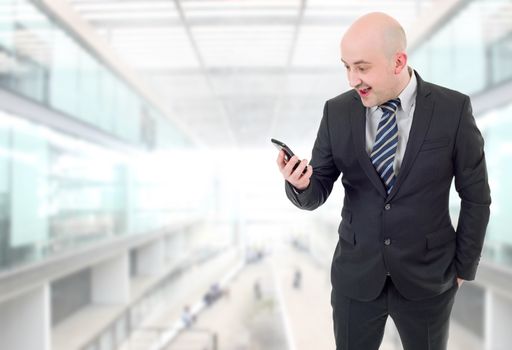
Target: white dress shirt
{"points": [[404, 116]]}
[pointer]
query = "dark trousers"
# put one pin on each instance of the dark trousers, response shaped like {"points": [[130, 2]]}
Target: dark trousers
{"points": [[423, 324]]}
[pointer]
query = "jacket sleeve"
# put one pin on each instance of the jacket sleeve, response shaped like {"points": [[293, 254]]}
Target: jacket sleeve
{"points": [[324, 174], [472, 186]]}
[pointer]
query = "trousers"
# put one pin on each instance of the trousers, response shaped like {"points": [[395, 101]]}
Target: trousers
{"points": [[422, 324]]}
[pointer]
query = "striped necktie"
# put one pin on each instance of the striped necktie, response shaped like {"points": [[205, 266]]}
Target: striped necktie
{"points": [[384, 149]]}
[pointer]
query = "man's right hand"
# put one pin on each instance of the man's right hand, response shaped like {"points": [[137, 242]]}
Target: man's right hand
{"points": [[295, 177]]}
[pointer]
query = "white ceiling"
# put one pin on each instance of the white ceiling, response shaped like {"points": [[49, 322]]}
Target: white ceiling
{"points": [[238, 72]]}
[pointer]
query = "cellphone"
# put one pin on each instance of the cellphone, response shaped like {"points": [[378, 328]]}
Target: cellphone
{"points": [[282, 146], [288, 153]]}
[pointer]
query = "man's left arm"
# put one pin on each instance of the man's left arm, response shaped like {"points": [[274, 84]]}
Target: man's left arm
{"points": [[472, 185]]}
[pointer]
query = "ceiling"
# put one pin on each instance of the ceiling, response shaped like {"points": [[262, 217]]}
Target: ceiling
{"points": [[238, 72]]}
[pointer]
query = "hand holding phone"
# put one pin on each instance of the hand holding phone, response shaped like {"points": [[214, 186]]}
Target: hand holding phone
{"points": [[299, 180]]}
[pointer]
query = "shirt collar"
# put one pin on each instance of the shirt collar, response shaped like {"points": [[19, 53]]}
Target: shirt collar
{"points": [[407, 96]]}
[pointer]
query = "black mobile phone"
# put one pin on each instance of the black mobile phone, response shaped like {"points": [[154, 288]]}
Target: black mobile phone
{"points": [[288, 153], [282, 146]]}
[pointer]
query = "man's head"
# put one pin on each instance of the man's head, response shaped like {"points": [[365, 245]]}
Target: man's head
{"points": [[373, 52]]}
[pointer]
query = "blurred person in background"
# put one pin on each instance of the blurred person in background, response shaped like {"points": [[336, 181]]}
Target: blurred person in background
{"points": [[297, 278], [187, 317], [398, 141], [257, 290]]}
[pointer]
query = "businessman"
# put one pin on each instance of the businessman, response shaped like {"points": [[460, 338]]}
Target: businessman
{"points": [[398, 141]]}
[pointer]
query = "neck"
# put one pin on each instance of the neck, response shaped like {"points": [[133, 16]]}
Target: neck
{"points": [[405, 77]]}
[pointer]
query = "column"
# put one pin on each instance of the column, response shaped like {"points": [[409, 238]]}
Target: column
{"points": [[150, 258], [111, 281], [25, 321], [498, 316]]}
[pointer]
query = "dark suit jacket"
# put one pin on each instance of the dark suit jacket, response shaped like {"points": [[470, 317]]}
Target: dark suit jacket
{"points": [[407, 233]]}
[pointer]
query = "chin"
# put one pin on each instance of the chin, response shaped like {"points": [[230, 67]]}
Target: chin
{"points": [[368, 104]]}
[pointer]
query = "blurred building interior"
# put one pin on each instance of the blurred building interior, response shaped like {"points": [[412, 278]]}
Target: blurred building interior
{"points": [[140, 202]]}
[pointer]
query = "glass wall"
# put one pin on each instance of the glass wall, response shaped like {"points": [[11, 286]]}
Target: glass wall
{"points": [[58, 192], [472, 51], [42, 61], [496, 127]]}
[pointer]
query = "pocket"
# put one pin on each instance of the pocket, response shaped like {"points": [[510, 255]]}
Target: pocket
{"points": [[441, 237], [431, 144], [346, 233]]}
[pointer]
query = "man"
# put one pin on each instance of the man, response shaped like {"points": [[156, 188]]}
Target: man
{"points": [[397, 141]]}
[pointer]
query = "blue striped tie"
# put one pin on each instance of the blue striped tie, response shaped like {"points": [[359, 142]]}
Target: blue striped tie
{"points": [[384, 149]]}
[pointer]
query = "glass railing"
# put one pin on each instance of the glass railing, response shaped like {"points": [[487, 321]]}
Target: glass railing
{"points": [[58, 192]]}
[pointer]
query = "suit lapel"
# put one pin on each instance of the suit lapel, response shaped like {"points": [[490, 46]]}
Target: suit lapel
{"points": [[420, 124], [358, 123]]}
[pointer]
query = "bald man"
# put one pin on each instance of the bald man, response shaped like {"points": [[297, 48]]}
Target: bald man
{"points": [[398, 142]]}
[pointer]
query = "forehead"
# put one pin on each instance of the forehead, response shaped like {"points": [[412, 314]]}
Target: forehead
{"points": [[365, 48]]}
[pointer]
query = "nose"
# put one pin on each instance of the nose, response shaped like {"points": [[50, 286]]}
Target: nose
{"points": [[353, 79]]}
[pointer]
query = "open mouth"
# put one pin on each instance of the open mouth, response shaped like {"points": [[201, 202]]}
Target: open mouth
{"points": [[364, 92]]}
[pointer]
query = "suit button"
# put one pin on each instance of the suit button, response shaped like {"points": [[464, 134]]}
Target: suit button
{"points": [[387, 241], [387, 206]]}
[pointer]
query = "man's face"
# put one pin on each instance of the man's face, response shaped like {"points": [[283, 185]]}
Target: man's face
{"points": [[369, 71]]}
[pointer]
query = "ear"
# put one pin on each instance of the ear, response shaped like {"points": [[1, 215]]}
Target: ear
{"points": [[400, 62]]}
